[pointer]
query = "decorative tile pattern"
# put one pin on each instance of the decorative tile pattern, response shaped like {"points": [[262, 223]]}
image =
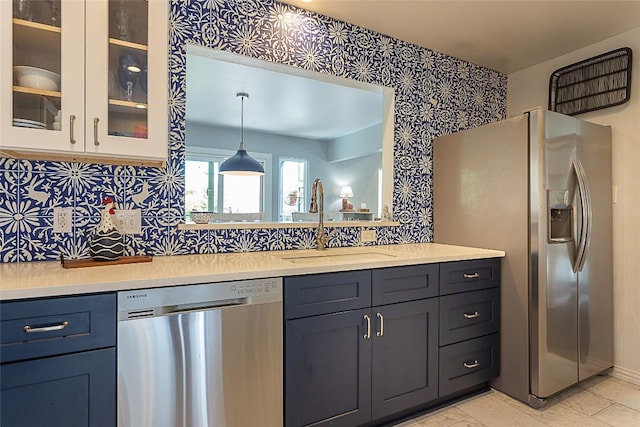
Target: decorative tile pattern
{"points": [[435, 95]]}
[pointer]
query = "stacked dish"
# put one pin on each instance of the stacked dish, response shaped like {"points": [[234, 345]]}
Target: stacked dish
{"points": [[36, 78], [24, 123]]}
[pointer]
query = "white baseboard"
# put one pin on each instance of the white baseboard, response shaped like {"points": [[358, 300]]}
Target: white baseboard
{"points": [[626, 374]]}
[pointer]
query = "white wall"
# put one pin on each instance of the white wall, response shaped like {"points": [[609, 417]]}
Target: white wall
{"points": [[529, 88], [360, 173]]}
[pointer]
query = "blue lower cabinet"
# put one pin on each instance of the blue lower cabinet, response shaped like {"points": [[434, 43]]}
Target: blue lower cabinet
{"points": [[328, 370], [364, 347], [349, 368], [405, 356], [73, 390]]}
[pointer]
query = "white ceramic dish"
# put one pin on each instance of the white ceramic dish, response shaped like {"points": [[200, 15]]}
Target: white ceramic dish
{"points": [[36, 78], [24, 123], [29, 122], [201, 217]]}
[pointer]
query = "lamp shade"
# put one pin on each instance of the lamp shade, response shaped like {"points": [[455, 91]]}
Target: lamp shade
{"points": [[346, 192], [241, 163]]}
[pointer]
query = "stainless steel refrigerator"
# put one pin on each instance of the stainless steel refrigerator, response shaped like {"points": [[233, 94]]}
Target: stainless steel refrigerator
{"points": [[537, 186]]}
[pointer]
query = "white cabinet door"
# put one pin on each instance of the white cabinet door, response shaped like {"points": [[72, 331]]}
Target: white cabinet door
{"points": [[85, 43], [121, 124], [25, 108]]}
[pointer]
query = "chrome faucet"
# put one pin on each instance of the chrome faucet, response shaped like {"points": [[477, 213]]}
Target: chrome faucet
{"points": [[317, 192]]}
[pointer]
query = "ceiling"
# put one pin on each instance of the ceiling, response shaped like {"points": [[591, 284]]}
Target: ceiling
{"points": [[506, 36], [282, 100]]}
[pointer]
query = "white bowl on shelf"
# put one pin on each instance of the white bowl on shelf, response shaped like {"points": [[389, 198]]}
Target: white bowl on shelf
{"points": [[36, 78], [201, 217]]}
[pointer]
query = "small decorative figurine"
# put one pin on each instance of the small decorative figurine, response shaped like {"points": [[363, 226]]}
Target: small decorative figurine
{"points": [[386, 215], [106, 241]]}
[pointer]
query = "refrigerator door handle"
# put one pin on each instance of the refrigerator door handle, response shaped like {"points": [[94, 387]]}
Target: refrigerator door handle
{"points": [[585, 210]]}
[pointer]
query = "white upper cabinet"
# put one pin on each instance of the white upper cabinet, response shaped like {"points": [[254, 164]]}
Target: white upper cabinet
{"points": [[84, 80]]}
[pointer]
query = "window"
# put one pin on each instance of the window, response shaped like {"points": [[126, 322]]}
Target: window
{"points": [[293, 184], [207, 190]]}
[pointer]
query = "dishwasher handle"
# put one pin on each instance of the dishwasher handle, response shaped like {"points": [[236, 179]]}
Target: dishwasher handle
{"points": [[169, 310]]}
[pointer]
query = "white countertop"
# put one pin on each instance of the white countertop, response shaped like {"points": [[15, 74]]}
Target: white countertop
{"points": [[43, 279]]}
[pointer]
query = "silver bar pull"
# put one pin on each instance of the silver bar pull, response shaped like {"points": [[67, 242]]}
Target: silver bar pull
{"points": [[95, 131], [471, 276], [471, 315], [475, 364], [28, 329], [367, 335], [381, 331], [72, 120]]}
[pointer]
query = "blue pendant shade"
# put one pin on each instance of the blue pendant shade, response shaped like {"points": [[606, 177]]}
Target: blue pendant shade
{"points": [[241, 163]]}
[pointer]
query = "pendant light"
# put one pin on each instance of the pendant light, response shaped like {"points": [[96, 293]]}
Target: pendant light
{"points": [[241, 163]]}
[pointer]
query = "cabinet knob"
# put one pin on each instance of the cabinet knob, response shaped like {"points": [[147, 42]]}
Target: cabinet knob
{"points": [[471, 315], [471, 276]]}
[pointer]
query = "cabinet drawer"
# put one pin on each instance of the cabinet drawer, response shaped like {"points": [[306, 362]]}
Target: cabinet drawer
{"points": [[44, 327], [463, 276], [400, 284], [326, 293], [469, 363], [469, 315]]}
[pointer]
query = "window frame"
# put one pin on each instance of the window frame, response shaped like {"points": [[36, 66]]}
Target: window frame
{"points": [[207, 154], [307, 189]]}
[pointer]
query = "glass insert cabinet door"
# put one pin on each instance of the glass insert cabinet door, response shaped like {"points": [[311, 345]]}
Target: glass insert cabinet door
{"points": [[86, 77]]}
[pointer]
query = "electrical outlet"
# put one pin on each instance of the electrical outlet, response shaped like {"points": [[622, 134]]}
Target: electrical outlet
{"points": [[368, 236], [128, 221], [62, 220]]}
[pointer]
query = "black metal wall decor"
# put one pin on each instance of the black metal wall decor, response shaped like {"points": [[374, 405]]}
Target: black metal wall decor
{"points": [[595, 83]]}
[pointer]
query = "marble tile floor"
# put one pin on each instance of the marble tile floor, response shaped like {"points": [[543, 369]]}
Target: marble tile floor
{"points": [[602, 401]]}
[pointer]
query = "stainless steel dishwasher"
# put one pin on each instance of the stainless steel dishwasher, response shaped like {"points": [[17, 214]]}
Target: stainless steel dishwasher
{"points": [[201, 355]]}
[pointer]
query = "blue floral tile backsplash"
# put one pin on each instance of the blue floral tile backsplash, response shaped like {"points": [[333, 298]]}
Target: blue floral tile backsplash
{"points": [[435, 94]]}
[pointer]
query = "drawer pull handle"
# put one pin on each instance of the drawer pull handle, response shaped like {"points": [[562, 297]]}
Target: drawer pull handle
{"points": [[471, 276], [472, 315], [475, 364], [28, 329], [381, 331], [367, 335]]}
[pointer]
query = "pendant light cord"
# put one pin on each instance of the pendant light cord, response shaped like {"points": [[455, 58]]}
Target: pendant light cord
{"points": [[242, 95]]}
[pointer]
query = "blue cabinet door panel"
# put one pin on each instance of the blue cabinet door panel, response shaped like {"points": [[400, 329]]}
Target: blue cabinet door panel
{"points": [[400, 284], [328, 370], [405, 356], [326, 293], [90, 324], [74, 390], [469, 363], [469, 315], [464, 276]]}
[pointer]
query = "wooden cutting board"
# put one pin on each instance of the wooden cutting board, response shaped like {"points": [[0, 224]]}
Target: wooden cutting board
{"points": [[88, 262]]}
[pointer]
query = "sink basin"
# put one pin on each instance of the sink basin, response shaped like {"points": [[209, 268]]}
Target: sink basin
{"points": [[329, 257]]}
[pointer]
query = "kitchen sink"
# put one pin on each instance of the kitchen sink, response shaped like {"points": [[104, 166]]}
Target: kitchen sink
{"points": [[328, 257]]}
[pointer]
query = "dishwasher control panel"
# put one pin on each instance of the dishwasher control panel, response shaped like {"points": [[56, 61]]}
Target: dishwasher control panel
{"points": [[173, 299]]}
